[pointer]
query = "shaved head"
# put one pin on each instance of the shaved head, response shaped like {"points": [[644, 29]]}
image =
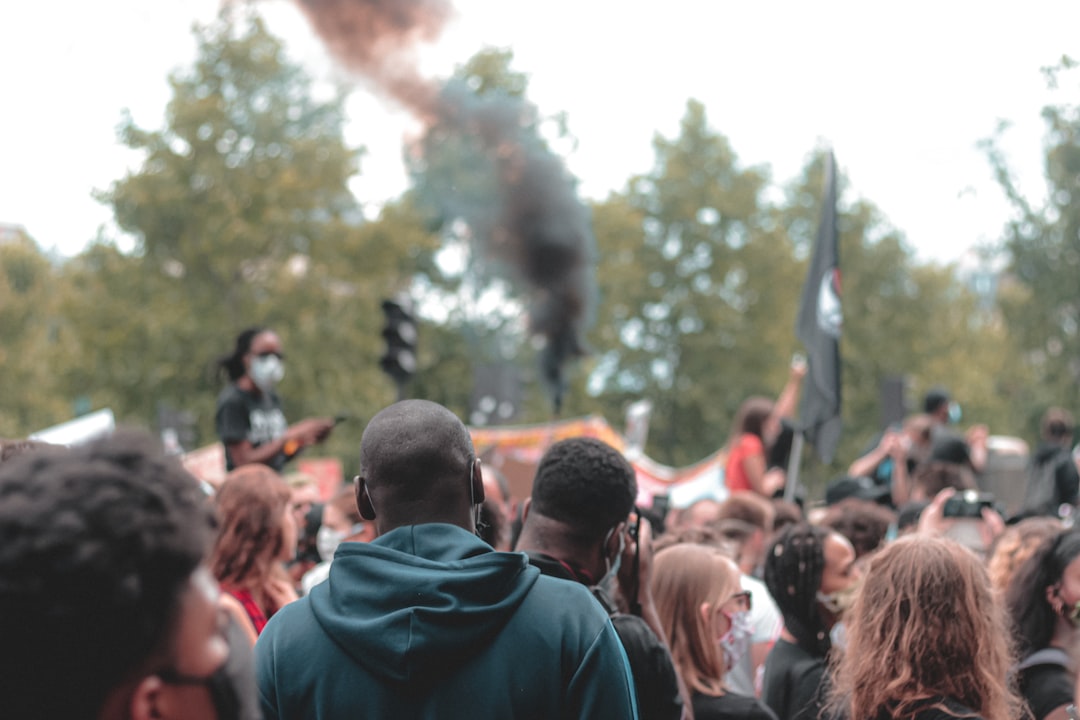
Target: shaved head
{"points": [[416, 466]]}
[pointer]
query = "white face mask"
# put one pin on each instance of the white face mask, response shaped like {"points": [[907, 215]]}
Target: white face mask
{"points": [[266, 371], [613, 565], [736, 641], [838, 636], [327, 540]]}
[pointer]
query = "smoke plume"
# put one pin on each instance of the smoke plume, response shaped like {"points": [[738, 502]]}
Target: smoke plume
{"points": [[526, 215]]}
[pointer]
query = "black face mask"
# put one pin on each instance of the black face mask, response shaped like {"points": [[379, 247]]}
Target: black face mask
{"points": [[223, 693]]}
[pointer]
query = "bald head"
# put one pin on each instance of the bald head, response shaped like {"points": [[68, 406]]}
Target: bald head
{"points": [[417, 465]]}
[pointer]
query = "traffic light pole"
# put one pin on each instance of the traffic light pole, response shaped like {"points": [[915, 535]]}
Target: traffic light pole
{"points": [[399, 359]]}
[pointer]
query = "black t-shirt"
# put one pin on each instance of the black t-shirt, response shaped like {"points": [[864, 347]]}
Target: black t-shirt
{"points": [[243, 416], [655, 681], [729, 707], [795, 686], [1045, 687]]}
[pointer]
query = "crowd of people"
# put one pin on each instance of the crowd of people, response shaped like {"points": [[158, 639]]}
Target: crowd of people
{"points": [[425, 589]]}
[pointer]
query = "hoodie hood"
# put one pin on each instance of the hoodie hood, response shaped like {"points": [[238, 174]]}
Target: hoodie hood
{"points": [[420, 600]]}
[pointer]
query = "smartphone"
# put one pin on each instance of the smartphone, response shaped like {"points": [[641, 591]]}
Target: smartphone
{"points": [[968, 504]]}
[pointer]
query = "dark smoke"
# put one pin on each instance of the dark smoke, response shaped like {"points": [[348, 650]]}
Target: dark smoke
{"points": [[528, 218]]}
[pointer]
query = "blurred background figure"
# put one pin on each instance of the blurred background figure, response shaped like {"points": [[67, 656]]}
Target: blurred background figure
{"points": [[498, 510], [892, 457], [256, 537], [308, 513], [756, 427], [1043, 602], [341, 522], [925, 639], [705, 611], [249, 419], [1053, 480]]}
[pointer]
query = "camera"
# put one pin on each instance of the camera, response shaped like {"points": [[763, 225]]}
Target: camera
{"points": [[968, 504]]}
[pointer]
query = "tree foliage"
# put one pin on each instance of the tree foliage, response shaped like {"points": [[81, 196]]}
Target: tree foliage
{"points": [[1040, 297], [241, 215]]}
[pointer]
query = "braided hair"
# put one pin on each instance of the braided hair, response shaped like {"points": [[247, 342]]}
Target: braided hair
{"points": [[793, 569]]}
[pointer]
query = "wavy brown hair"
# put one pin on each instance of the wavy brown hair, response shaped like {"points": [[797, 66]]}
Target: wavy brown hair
{"points": [[249, 507], [685, 576], [925, 627]]}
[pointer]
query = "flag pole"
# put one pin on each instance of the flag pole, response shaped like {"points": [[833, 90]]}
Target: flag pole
{"points": [[794, 461]]}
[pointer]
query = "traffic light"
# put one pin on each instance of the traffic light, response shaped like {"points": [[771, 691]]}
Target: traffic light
{"points": [[399, 360]]}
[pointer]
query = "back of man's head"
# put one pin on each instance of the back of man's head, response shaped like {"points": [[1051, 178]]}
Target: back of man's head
{"points": [[97, 545], [416, 466], [585, 484]]}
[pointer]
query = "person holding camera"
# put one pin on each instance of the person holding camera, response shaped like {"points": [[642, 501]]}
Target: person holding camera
{"points": [[575, 527]]}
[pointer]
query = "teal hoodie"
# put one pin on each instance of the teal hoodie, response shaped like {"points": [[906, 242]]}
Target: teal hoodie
{"points": [[428, 621]]}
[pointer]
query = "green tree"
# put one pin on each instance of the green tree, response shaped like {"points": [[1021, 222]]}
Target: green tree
{"points": [[241, 215], [30, 393], [687, 300], [1041, 293]]}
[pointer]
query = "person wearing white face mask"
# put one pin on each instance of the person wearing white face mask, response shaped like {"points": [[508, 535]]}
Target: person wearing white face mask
{"points": [[249, 419], [706, 616], [341, 522]]}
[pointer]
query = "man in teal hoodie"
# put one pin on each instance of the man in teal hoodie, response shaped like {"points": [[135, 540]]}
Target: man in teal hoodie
{"points": [[427, 621]]}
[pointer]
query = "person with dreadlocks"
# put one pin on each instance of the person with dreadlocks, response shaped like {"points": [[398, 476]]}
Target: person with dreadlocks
{"points": [[810, 572]]}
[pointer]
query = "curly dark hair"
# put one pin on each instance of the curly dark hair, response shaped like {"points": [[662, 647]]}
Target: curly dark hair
{"points": [[586, 484], [793, 569], [1033, 619], [96, 546]]}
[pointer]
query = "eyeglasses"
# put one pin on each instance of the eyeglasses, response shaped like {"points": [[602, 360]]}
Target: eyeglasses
{"points": [[269, 353]]}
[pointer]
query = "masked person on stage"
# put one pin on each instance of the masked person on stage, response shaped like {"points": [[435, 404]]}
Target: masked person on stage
{"points": [[249, 419]]}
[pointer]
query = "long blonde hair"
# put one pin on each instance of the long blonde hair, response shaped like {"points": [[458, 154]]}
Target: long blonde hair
{"points": [[683, 578], [924, 627]]}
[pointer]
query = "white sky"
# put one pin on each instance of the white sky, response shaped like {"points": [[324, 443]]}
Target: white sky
{"points": [[902, 91]]}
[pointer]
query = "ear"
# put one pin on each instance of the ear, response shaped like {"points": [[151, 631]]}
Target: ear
{"points": [[1053, 599], [145, 699], [526, 504], [705, 609], [477, 479], [363, 501]]}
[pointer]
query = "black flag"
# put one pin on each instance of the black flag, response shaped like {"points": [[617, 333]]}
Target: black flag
{"points": [[818, 327]]}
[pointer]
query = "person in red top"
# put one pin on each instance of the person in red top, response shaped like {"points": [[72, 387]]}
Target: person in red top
{"points": [[756, 427], [256, 536]]}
